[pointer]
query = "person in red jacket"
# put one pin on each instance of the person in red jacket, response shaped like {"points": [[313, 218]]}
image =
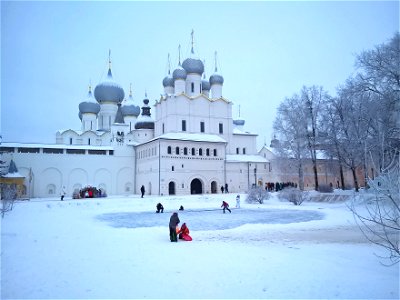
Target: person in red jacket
{"points": [[225, 205], [184, 233]]}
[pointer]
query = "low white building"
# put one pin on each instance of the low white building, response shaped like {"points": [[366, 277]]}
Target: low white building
{"points": [[192, 145]]}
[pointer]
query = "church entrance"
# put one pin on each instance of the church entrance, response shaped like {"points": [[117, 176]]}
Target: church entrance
{"points": [[196, 187], [171, 188], [214, 188]]}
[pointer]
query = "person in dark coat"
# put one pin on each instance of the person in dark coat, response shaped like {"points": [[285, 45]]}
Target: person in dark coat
{"points": [[160, 208], [173, 222], [225, 205], [142, 190]]}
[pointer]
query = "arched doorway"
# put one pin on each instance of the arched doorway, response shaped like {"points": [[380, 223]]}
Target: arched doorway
{"points": [[196, 186], [214, 187], [171, 188]]}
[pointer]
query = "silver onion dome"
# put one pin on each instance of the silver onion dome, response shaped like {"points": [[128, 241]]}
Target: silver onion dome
{"points": [[179, 73], [205, 85], [239, 122], [168, 81], [193, 65], [128, 108], [216, 79], [109, 90], [89, 105]]}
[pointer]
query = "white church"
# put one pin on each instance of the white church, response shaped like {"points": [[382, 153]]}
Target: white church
{"points": [[186, 143]]}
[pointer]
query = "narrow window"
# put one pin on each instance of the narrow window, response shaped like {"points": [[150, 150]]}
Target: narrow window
{"points": [[201, 152], [192, 87], [183, 125], [208, 152], [244, 150], [237, 150], [215, 152], [163, 128], [177, 150], [201, 126], [173, 168], [221, 128], [193, 151], [169, 150], [88, 141], [70, 141], [185, 151]]}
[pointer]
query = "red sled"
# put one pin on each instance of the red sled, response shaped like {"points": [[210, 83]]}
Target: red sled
{"points": [[186, 237]]}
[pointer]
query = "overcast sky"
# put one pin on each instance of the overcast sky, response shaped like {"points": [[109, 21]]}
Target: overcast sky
{"points": [[51, 51]]}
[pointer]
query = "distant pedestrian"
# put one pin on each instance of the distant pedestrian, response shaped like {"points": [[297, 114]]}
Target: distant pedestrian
{"points": [[225, 205], [222, 189], [181, 208], [226, 188], [63, 193], [160, 208], [173, 222], [142, 190], [238, 201]]}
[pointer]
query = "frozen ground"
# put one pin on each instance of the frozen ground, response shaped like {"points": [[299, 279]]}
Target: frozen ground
{"points": [[118, 247]]}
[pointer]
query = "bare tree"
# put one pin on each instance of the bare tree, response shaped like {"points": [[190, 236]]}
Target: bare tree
{"points": [[379, 217], [313, 100], [8, 195], [290, 131]]}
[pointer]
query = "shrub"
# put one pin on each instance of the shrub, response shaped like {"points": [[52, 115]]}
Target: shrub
{"points": [[257, 195], [293, 195], [325, 188]]}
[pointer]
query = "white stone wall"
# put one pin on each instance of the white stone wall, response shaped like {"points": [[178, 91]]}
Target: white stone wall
{"points": [[115, 173]]}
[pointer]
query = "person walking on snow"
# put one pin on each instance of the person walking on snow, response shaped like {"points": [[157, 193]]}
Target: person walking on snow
{"points": [[225, 205], [238, 201], [63, 192], [173, 222], [142, 190]]}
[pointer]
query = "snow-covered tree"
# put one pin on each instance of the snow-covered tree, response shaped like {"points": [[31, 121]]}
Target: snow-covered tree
{"points": [[257, 194], [379, 217]]}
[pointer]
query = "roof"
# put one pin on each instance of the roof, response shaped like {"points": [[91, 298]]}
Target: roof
{"points": [[195, 137], [245, 158], [55, 146], [240, 132]]}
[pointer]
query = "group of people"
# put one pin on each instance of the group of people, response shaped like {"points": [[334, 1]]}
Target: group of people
{"points": [[183, 232], [278, 186], [224, 189], [175, 231]]}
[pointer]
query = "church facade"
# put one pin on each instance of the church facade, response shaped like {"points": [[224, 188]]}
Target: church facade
{"points": [[186, 143]]}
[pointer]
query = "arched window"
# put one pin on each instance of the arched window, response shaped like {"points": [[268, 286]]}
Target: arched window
{"points": [[215, 152], [208, 152], [201, 152], [169, 150], [177, 150], [193, 151], [185, 151]]}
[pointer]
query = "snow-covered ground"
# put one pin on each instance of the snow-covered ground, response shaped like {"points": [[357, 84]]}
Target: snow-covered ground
{"points": [[118, 247]]}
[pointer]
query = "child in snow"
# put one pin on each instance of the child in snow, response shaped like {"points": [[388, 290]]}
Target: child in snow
{"points": [[184, 233], [238, 201], [173, 222], [63, 192], [225, 205], [160, 208]]}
